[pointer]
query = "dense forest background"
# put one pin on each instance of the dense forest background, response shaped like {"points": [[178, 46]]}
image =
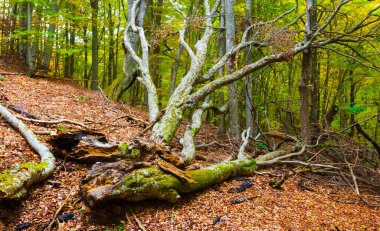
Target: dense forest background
{"points": [[83, 42]]}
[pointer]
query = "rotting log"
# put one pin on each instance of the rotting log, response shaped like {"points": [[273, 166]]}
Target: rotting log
{"points": [[149, 170], [86, 147], [90, 147], [121, 180], [115, 181], [14, 182]]}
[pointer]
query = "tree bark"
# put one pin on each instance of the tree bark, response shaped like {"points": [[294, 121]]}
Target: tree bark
{"points": [[352, 103], [111, 53], [50, 38], [29, 58], [15, 182], [233, 95], [308, 71], [103, 183], [248, 84], [128, 181], [95, 45], [130, 69]]}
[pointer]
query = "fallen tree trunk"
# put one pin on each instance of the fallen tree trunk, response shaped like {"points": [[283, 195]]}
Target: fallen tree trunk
{"points": [[86, 146], [161, 180], [14, 182], [119, 180], [114, 181]]}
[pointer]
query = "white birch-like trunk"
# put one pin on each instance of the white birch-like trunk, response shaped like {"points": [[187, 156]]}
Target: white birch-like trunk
{"points": [[14, 182]]}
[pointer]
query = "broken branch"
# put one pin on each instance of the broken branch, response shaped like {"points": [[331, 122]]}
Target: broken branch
{"points": [[52, 121]]}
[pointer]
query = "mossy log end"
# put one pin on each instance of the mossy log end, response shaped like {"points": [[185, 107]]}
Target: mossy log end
{"points": [[105, 182], [14, 182]]}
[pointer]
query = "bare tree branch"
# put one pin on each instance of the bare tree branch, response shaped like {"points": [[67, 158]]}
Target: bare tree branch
{"points": [[245, 137], [353, 58]]}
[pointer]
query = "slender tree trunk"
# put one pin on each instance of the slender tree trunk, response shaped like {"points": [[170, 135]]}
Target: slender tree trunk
{"points": [[85, 40], [29, 58], [325, 85], [352, 103], [66, 66], [111, 53], [233, 96], [222, 51], [378, 119], [95, 45], [307, 72], [50, 39], [12, 49], [173, 78], [175, 67], [155, 62], [57, 56], [248, 85], [120, 85], [72, 45], [22, 26]]}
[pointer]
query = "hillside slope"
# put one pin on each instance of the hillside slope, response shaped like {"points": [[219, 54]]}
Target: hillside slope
{"points": [[326, 207]]}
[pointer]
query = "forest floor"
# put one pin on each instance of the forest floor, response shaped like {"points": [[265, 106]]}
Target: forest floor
{"points": [[325, 207]]}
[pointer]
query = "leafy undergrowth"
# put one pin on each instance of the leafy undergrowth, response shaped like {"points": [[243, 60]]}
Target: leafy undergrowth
{"points": [[325, 207]]}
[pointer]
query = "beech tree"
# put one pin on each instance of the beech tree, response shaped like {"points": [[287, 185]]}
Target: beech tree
{"points": [[160, 174], [190, 94]]}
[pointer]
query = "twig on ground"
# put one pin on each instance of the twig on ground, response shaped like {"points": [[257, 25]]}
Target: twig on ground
{"points": [[141, 226], [130, 117], [102, 92], [47, 133], [53, 220], [353, 177], [5, 73], [307, 164], [151, 124], [53, 121], [267, 173], [206, 145], [22, 112]]}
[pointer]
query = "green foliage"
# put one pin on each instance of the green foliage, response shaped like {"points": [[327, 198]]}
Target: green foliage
{"points": [[262, 145], [275, 88], [62, 128], [83, 98], [123, 146], [355, 109], [135, 153]]}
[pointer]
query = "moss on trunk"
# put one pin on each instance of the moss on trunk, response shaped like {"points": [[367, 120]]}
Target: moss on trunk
{"points": [[15, 181], [153, 183]]}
